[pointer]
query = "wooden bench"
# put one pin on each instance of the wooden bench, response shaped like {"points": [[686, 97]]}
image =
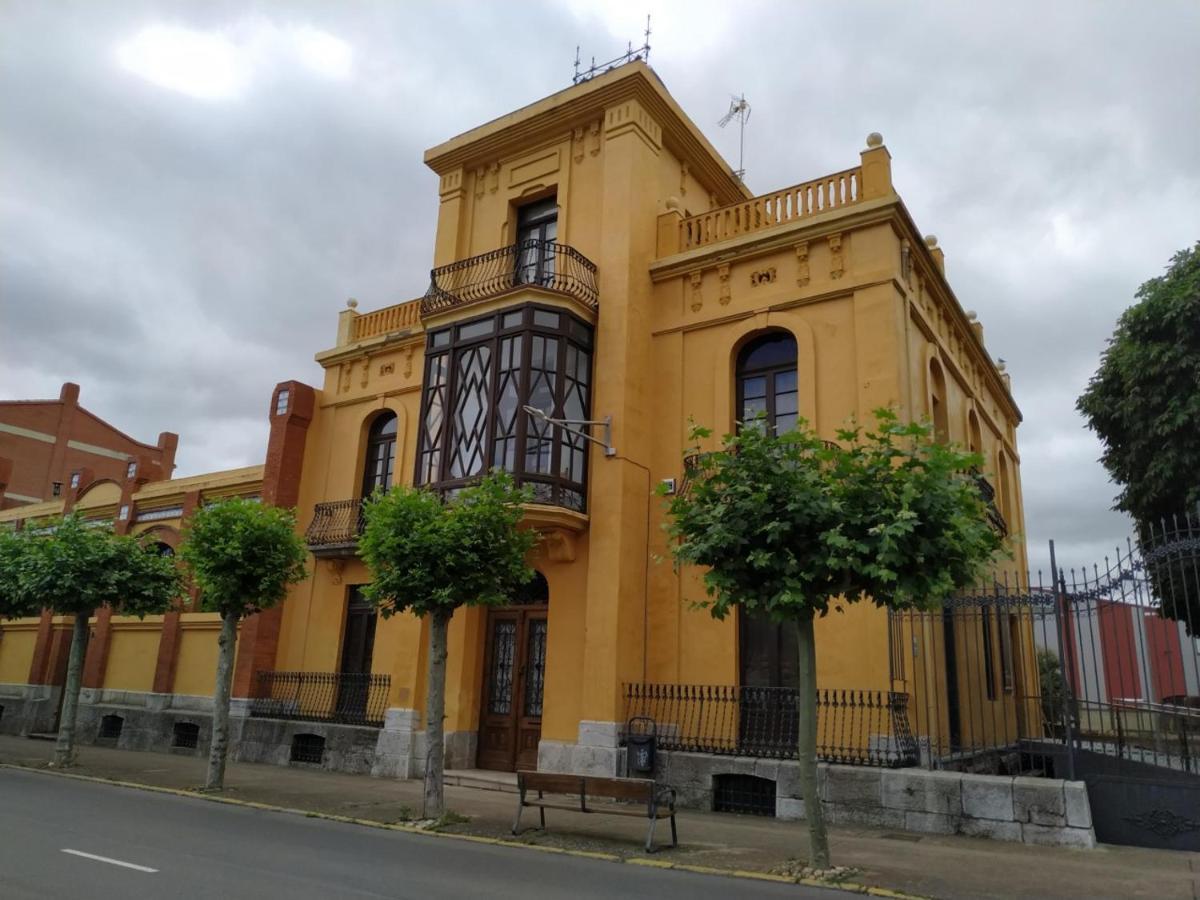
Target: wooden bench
{"points": [[653, 801]]}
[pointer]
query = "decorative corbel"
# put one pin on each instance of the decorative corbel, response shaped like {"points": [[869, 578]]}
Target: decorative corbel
{"points": [[594, 138], [366, 372], [408, 355], [683, 177], [802, 274], [906, 261], [336, 566], [723, 274], [347, 373], [560, 546], [494, 177], [837, 261], [480, 174], [697, 299]]}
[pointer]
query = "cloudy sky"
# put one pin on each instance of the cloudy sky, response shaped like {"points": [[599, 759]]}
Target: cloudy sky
{"points": [[190, 192]]}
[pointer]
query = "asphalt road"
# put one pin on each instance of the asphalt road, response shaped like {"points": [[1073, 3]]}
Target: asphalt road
{"points": [[62, 838]]}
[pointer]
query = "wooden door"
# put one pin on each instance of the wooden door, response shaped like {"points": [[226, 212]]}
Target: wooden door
{"points": [[510, 724]]}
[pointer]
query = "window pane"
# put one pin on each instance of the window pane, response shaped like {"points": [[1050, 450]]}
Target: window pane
{"points": [[545, 319], [475, 329], [752, 388], [440, 339], [513, 319], [785, 404], [784, 423], [752, 407], [785, 381], [776, 349]]}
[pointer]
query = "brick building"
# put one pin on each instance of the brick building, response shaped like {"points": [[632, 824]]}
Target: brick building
{"points": [[55, 448]]}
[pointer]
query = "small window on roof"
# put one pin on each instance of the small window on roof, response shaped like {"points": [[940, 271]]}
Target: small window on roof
{"points": [[281, 401], [74, 480], [131, 469]]}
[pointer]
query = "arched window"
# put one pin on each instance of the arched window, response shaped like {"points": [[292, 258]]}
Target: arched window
{"points": [[381, 455], [766, 381], [937, 402], [974, 434]]}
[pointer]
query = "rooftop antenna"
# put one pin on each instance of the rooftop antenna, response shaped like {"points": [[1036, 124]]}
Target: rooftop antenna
{"points": [[631, 54], [738, 109]]}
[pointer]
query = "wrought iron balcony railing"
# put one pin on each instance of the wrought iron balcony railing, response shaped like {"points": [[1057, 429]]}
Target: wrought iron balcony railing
{"points": [[546, 264], [859, 728], [335, 528], [988, 492], [345, 698]]}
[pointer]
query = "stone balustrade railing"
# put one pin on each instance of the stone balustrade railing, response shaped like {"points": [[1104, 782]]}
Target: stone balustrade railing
{"points": [[766, 211], [400, 317]]}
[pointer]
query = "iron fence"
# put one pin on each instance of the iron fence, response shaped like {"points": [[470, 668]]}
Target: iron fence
{"points": [[335, 527], [1028, 672], [854, 727], [344, 698], [547, 264]]}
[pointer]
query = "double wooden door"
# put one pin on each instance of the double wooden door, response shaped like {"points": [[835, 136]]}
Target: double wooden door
{"points": [[514, 677]]}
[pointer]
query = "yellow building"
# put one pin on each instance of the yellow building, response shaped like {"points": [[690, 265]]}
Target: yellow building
{"points": [[595, 260]]}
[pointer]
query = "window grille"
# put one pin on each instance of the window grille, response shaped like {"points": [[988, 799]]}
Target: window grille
{"points": [[110, 727], [747, 794], [187, 735], [308, 748]]}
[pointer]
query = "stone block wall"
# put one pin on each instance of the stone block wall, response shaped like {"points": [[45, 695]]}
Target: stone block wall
{"points": [[1027, 810], [28, 708]]}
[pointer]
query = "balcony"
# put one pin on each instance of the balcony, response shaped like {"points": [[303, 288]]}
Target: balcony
{"points": [[335, 528], [988, 492], [545, 264]]}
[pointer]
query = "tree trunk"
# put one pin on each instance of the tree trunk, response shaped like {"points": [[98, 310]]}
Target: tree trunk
{"points": [[818, 841], [435, 711], [219, 748], [64, 750]]}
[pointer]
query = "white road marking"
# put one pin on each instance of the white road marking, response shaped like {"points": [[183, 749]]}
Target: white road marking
{"points": [[114, 862]]}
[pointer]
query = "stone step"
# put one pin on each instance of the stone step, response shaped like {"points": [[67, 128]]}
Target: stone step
{"points": [[42, 735]]}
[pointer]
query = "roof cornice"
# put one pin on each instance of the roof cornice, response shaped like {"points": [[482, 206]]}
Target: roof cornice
{"points": [[560, 112]]}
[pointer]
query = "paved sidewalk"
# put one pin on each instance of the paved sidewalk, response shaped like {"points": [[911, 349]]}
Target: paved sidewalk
{"points": [[926, 865]]}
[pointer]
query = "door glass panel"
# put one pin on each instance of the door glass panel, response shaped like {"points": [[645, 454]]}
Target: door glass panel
{"points": [[500, 682], [535, 667]]}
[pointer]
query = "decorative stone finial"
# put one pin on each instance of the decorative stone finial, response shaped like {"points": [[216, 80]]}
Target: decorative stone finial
{"points": [[972, 316], [1001, 365], [931, 241], [874, 139], [673, 203], [352, 303]]}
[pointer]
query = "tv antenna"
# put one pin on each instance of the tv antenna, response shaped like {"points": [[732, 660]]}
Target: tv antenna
{"points": [[631, 54], [738, 109]]}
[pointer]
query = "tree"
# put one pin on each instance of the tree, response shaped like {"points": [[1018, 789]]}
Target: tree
{"points": [[785, 524], [72, 568], [14, 601], [1144, 403], [429, 555], [242, 555]]}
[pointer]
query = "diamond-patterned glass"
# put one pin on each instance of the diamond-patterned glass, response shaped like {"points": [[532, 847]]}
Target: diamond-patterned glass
{"points": [[472, 397]]}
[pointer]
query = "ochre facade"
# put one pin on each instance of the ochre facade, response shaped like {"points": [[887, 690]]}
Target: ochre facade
{"points": [[596, 260]]}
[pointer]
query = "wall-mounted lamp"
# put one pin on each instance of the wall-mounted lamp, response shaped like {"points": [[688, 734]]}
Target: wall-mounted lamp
{"points": [[568, 426]]}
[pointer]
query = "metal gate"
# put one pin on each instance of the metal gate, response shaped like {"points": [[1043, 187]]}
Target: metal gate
{"points": [[1089, 674]]}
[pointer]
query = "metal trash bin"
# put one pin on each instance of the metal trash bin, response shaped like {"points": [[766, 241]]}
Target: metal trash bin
{"points": [[641, 744]]}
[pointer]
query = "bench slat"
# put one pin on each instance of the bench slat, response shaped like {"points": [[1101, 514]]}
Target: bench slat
{"points": [[639, 789], [550, 781]]}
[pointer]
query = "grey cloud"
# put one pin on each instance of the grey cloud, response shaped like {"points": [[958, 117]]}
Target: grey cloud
{"points": [[177, 257]]}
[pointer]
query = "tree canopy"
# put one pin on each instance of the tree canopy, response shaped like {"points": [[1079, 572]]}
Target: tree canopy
{"points": [[243, 555], [429, 555], [15, 601], [786, 523], [74, 567], [1144, 400]]}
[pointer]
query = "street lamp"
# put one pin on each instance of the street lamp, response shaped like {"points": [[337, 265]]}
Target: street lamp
{"points": [[568, 426]]}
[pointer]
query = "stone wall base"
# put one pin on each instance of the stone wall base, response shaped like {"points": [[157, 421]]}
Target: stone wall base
{"points": [[597, 752], [28, 708], [1027, 810]]}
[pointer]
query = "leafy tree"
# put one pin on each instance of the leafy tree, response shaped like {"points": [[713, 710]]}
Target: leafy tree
{"points": [[1053, 691], [73, 568], [14, 601], [429, 556], [242, 555], [786, 524], [1144, 404]]}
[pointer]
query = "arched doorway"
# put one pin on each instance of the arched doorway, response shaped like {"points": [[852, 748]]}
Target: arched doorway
{"points": [[514, 673]]}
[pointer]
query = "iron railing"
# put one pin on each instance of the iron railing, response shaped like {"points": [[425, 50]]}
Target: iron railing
{"points": [[988, 492], [854, 727], [344, 698], [546, 264], [335, 527]]}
